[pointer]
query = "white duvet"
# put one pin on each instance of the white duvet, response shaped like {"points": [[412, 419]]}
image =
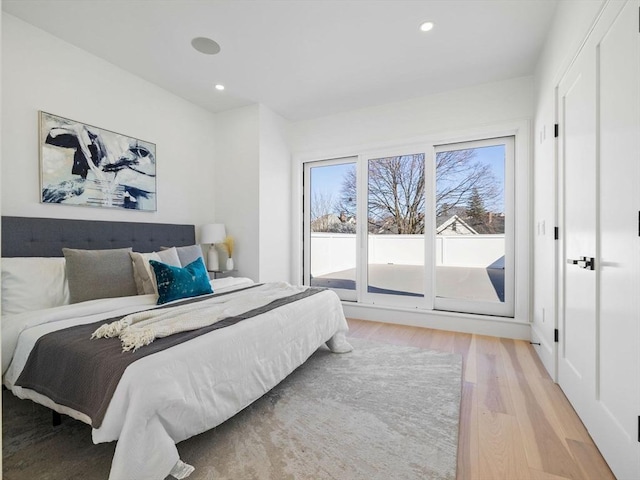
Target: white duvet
{"points": [[185, 390]]}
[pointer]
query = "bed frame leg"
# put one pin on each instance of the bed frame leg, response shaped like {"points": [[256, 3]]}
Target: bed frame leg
{"points": [[56, 418]]}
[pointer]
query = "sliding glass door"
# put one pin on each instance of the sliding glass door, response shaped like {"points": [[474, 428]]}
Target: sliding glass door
{"points": [[428, 226], [330, 226], [474, 227], [395, 230]]}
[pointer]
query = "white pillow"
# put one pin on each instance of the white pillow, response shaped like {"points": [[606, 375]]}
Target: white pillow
{"points": [[143, 274], [33, 283], [142, 271]]}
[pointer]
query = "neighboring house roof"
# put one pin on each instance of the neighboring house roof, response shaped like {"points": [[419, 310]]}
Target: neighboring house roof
{"points": [[325, 222], [457, 225]]}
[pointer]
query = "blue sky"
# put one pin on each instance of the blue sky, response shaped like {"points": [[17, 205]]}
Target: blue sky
{"points": [[328, 179], [494, 156]]}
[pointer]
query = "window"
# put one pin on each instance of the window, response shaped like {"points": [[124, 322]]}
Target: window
{"points": [[474, 227], [427, 227], [330, 226], [395, 229]]}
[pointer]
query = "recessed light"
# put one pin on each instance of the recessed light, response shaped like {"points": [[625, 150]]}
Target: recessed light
{"points": [[426, 26], [205, 45], [219, 87]]}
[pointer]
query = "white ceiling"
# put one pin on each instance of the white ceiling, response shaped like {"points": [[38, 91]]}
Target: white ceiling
{"points": [[303, 58]]}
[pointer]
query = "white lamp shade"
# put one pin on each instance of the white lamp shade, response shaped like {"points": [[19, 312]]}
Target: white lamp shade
{"points": [[212, 233]]}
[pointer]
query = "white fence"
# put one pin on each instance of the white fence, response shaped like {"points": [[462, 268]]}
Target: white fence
{"points": [[335, 252]]}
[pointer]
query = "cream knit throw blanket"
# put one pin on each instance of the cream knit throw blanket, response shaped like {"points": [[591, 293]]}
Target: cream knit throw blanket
{"points": [[142, 328]]}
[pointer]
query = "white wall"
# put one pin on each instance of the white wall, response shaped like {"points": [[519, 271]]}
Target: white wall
{"points": [[572, 22], [445, 112], [275, 199], [41, 72], [252, 190], [237, 183]]}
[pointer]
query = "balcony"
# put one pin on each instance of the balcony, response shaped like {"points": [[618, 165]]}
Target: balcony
{"points": [[468, 267]]}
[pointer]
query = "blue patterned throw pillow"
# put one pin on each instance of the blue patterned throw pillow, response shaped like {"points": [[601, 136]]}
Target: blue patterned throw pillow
{"points": [[175, 282]]}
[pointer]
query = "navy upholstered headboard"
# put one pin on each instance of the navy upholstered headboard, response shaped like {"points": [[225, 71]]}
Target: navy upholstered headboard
{"points": [[45, 237]]}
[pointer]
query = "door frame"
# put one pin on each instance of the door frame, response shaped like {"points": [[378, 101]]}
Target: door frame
{"points": [[344, 294], [521, 129], [507, 307], [599, 421], [366, 297]]}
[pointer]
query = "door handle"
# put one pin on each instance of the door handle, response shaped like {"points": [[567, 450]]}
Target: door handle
{"points": [[588, 263]]}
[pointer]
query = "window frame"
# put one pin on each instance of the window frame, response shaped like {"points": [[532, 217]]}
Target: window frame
{"points": [[477, 307], [344, 294], [523, 284], [424, 302]]}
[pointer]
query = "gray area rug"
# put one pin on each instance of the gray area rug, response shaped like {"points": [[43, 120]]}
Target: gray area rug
{"points": [[379, 412]]}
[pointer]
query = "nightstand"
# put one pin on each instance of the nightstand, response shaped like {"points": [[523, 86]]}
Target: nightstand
{"points": [[220, 273]]}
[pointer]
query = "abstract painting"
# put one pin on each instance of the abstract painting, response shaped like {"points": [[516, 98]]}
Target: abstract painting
{"points": [[90, 166]]}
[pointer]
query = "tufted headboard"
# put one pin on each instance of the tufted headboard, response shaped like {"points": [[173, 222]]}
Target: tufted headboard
{"points": [[45, 237]]}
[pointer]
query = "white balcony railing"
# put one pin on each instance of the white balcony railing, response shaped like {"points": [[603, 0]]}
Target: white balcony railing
{"points": [[335, 252]]}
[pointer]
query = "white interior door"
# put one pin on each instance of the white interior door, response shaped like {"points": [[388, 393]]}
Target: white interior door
{"points": [[577, 147], [599, 148], [618, 375]]}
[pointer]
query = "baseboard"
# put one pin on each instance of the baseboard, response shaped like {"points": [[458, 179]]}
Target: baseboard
{"points": [[456, 322], [545, 351]]}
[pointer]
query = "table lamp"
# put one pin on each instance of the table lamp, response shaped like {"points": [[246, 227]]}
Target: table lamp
{"points": [[212, 233]]}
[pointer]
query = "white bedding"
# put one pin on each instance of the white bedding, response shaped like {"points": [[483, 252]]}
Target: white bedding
{"points": [[172, 395], [91, 311]]}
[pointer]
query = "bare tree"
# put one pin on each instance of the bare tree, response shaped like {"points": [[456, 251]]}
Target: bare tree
{"points": [[396, 189], [347, 202], [458, 176], [396, 194], [322, 208]]}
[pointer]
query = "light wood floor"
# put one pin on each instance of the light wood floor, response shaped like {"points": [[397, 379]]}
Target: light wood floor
{"points": [[515, 422]]}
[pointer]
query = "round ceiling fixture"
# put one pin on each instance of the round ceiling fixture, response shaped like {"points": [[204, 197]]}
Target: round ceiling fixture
{"points": [[205, 45], [219, 87], [426, 26]]}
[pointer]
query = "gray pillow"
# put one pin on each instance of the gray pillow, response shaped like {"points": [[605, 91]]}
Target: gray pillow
{"points": [[170, 257], [188, 254], [143, 274], [96, 274]]}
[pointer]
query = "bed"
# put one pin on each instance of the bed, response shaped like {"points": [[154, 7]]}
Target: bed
{"points": [[169, 395]]}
